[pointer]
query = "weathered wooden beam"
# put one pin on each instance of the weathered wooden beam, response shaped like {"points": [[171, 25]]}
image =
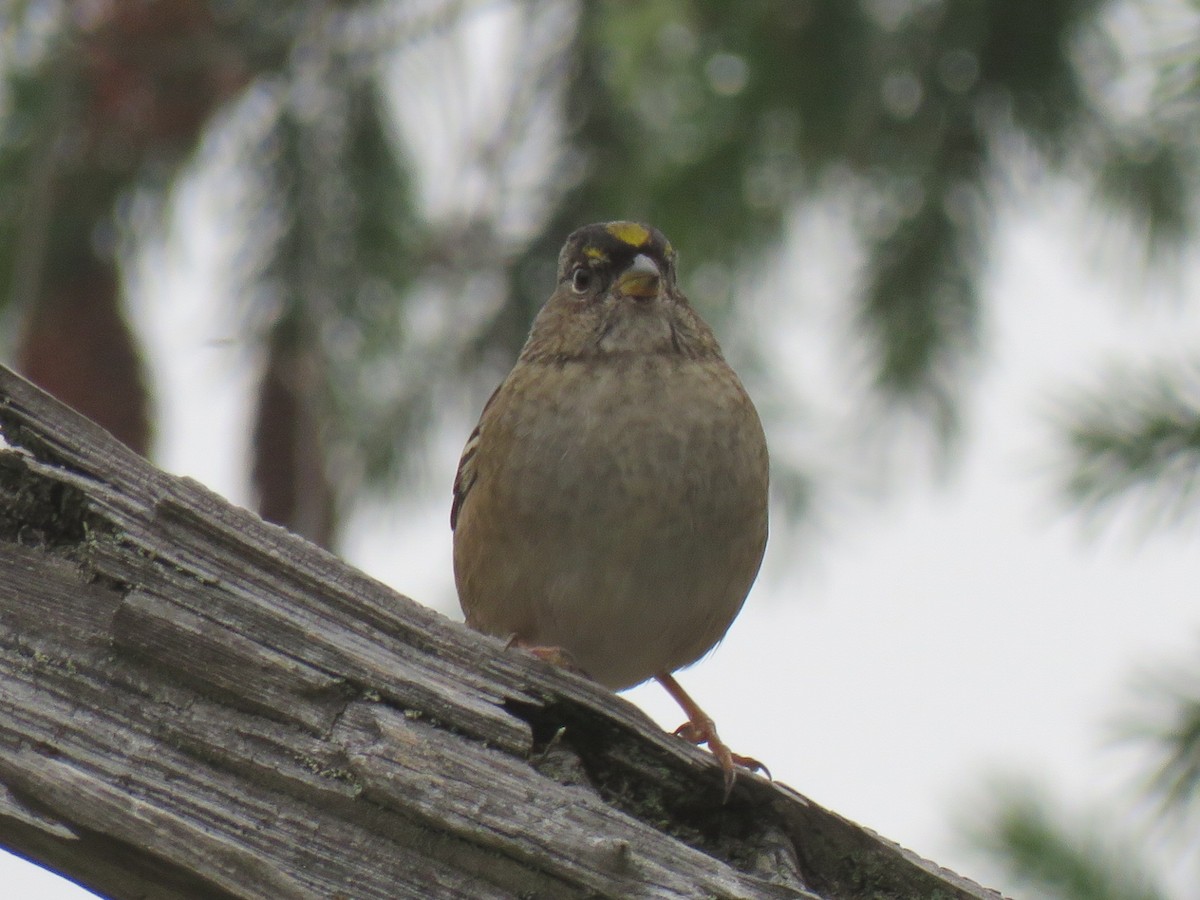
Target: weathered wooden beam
{"points": [[194, 703]]}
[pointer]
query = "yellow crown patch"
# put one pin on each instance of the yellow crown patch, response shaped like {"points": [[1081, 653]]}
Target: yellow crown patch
{"points": [[631, 233]]}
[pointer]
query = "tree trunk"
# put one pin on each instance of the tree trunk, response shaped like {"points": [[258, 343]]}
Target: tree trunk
{"points": [[194, 703]]}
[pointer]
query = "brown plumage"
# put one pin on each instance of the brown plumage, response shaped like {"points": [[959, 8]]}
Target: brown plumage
{"points": [[612, 501]]}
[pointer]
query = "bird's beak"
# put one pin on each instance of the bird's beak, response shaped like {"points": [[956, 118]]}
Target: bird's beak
{"points": [[641, 279]]}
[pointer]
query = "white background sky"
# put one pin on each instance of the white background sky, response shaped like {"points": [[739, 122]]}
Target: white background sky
{"points": [[892, 662]]}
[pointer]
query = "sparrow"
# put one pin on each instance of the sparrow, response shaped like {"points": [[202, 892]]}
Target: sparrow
{"points": [[610, 508]]}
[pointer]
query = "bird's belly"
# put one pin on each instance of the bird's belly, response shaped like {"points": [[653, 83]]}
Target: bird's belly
{"points": [[640, 538], [627, 611]]}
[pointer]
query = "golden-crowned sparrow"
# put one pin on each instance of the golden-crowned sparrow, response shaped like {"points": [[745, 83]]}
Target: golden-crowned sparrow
{"points": [[610, 507]]}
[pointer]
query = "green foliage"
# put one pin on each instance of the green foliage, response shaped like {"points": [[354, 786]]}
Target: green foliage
{"points": [[40, 120], [1024, 50], [921, 305], [1165, 718], [337, 270], [1055, 858], [22, 130], [1152, 183], [1137, 437], [1052, 854], [1177, 779]]}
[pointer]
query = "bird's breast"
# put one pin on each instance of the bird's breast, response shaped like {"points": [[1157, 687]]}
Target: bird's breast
{"points": [[626, 512], [653, 442]]}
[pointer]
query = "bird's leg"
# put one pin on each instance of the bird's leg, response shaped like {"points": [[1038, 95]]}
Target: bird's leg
{"points": [[556, 656], [700, 729]]}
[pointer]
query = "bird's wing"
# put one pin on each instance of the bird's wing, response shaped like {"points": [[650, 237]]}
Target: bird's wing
{"points": [[465, 477]]}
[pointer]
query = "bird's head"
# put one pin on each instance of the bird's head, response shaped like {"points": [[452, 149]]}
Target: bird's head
{"points": [[616, 295]]}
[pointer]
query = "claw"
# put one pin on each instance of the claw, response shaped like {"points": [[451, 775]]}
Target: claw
{"points": [[700, 729]]}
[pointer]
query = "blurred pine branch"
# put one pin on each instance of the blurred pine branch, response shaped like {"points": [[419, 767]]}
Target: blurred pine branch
{"points": [[1137, 437]]}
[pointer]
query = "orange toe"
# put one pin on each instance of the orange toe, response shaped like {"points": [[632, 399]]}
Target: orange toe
{"points": [[700, 729]]}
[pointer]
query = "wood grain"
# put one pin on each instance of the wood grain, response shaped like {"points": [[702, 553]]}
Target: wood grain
{"points": [[194, 703]]}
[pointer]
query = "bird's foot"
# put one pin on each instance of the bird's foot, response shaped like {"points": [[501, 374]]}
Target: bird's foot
{"points": [[700, 729], [556, 656], [705, 732]]}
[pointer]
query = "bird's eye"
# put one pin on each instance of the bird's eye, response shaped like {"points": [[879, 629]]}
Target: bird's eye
{"points": [[581, 279]]}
